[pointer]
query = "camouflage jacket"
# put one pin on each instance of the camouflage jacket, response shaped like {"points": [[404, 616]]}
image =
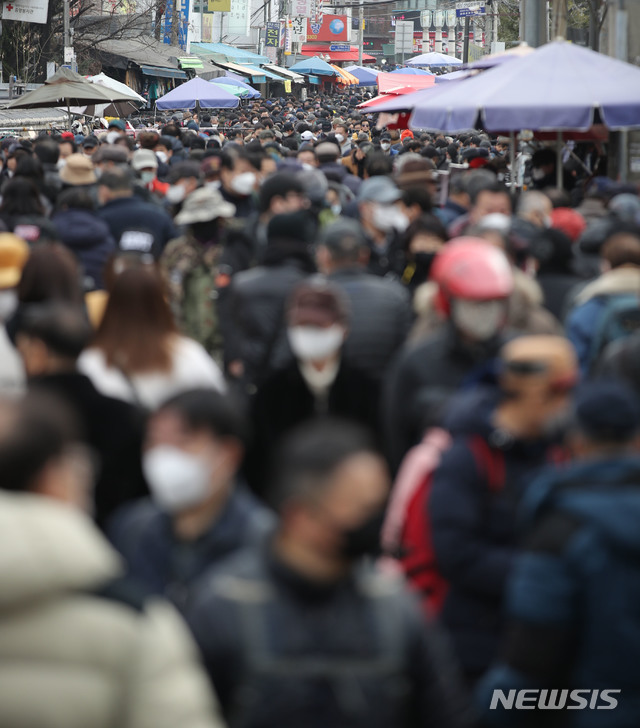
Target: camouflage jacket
{"points": [[192, 273]]}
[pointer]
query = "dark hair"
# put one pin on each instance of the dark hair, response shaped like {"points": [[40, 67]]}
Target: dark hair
{"points": [[278, 185], [378, 164], [50, 274], [118, 179], [426, 224], [31, 168], [47, 151], [496, 188], [148, 139], [185, 170], [74, 146], [308, 457], [420, 196], [75, 198], [137, 327], [205, 409], [165, 141], [20, 197], [622, 246], [38, 431], [62, 327]]}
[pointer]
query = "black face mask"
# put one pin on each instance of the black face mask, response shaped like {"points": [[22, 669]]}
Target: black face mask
{"points": [[364, 540], [424, 262]]}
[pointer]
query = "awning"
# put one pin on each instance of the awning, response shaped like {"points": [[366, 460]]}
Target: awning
{"points": [[258, 70], [285, 73], [257, 75], [345, 77], [231, 53], [193, 62], [352, 55], [162, 72]]}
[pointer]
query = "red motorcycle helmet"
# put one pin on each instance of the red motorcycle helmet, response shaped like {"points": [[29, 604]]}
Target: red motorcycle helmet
{"points": [[472, 269]]}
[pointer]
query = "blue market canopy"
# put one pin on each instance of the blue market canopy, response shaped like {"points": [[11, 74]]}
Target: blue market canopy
{"points": [[208, 95], [314, 66], [366, 76]]}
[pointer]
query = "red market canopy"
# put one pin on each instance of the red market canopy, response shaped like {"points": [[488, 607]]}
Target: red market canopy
{"points": [[399, 83], [314, 49]]}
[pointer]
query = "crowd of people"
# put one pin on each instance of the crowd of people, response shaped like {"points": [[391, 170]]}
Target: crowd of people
{"points": [[305, 422]]}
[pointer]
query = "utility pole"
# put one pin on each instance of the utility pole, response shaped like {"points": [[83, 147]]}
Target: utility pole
{"points": [[559, 19], [360, 32], [534, 22], [465, 50]]}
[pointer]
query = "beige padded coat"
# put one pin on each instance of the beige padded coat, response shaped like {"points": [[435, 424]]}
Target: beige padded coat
{"points": [[71, 659]]}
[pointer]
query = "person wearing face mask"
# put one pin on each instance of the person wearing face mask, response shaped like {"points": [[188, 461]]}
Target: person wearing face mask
{"points": [[385, 145], [145, 163], [14, 253], [342, 137], [309, 632], [473, 284], [122, 210], [319, 382], [473, 511], [383, 223], [579, 537], [91, 642], [238, 181], [424, 238], [198, 512], [194, 271], [543, 171]]}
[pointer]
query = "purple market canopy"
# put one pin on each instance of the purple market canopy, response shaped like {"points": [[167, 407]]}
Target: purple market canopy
{"points": [[208, 95], [559, 86]]}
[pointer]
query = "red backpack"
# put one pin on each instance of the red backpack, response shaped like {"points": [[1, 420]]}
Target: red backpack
{"points": [[407, 531]]}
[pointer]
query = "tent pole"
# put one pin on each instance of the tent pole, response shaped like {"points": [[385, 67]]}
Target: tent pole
{"points": [[69, 113], [512, 161], [559, 166]]}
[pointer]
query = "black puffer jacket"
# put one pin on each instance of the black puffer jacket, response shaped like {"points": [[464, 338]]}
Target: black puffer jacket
{"points": [[284, 651], [90, 240]]}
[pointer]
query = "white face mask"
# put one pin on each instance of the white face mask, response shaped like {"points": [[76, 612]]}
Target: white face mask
{"points": [[162, 156], [479, 320], [176, 194], [537, 174], [243, 184], [255, 121], [339, 138], [311, 343], [177, 480], [389, 217], [336, 209], [8, 303], [147, 177], [385, 146]]}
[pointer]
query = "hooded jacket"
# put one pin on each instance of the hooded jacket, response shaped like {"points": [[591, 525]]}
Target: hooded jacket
{"points": [[574, 591], [591, 302], [90, 240], [78, 646]]}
